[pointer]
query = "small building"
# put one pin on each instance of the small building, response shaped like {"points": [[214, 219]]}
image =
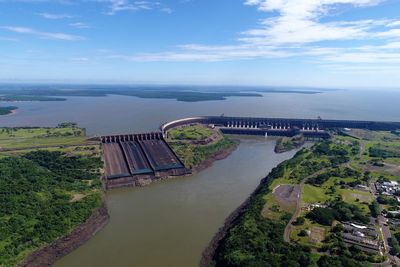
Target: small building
{"points": [[365, 237], [312, 206]]}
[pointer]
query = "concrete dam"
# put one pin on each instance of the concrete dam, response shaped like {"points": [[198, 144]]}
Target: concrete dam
{"points": [[137, 159], [313, 128]]}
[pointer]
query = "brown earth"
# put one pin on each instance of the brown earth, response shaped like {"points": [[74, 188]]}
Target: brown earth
{"points": [[287, 195]]}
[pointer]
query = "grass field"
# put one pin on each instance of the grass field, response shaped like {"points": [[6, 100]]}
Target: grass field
{"points": [[86, 150], [16, 138], [317, 234], [190, 132], [313, 194]]}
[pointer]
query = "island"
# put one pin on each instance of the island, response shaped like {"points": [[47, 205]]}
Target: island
{"points": [[7, 110], [334, 204], [178, 93], [25, 98]]}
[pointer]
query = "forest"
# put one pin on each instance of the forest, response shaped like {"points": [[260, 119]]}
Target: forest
{"points": [[7, 110], [44, 196]]}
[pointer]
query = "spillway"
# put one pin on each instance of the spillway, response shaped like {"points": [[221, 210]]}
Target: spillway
{"points": [[137, 159]]}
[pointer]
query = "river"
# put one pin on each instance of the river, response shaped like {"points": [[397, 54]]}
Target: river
{"points": [[170, 223]]}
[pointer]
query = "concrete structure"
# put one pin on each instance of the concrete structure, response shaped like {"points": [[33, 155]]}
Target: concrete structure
{"points": [[137, 159], [365, 237], [280, 126]]}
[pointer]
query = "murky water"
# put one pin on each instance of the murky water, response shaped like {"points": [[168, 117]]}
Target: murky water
{"points": [[170, 223]]}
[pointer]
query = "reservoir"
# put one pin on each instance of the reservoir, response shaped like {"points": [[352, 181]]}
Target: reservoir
{"points": [[170, 223]]}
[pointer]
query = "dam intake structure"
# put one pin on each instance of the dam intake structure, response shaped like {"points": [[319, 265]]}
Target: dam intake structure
{"points": [[310, 128], [139, 159]]}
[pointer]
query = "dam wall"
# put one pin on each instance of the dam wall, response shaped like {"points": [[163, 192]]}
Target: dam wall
{"points": [[280, 126], [138, 159]]}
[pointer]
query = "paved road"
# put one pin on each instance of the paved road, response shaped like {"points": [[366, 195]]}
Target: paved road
{"points": [[288, 228], [387, 235]]}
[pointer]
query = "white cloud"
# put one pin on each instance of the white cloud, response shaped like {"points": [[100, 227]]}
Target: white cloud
{"points": [[127, 5], [302, 28], [55, 16], [43, 35], [80, 25], [80, 59], [299, 21]]}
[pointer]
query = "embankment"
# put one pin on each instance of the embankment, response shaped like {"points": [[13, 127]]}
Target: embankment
{"points": [[220, 155], [209, 252], [48, 255]]}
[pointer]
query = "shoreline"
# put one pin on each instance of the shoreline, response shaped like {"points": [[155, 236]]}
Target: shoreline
{"points": [[220, 155], [12, 113], [138, 182], [51, 253], [209, 252]]}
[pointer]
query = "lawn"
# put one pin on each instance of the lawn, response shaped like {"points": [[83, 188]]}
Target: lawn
{"points": [[313, 194], [190, 132], [317, 234]]}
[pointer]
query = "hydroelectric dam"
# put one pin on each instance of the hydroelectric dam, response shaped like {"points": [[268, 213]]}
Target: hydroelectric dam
{"points": [[138, 159]]}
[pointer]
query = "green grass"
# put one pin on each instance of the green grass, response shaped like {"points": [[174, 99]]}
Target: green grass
{"points": [[313, 194], [11, 138], [190, 132], [306, 240], [351, 196], [194, 155], [89, 150]]}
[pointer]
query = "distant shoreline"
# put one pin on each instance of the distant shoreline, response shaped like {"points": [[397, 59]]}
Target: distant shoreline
{"points": [[11, 112]]}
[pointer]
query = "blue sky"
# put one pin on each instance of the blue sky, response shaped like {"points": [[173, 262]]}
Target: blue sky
{"points": [[323, 43]]}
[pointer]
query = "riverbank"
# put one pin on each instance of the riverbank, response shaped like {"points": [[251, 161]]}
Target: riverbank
{"points": [[48, 255], [285, 144], [209, 252], [219, 155]]}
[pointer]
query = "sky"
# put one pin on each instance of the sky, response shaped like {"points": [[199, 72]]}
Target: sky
{"points": [[318, 43]]}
